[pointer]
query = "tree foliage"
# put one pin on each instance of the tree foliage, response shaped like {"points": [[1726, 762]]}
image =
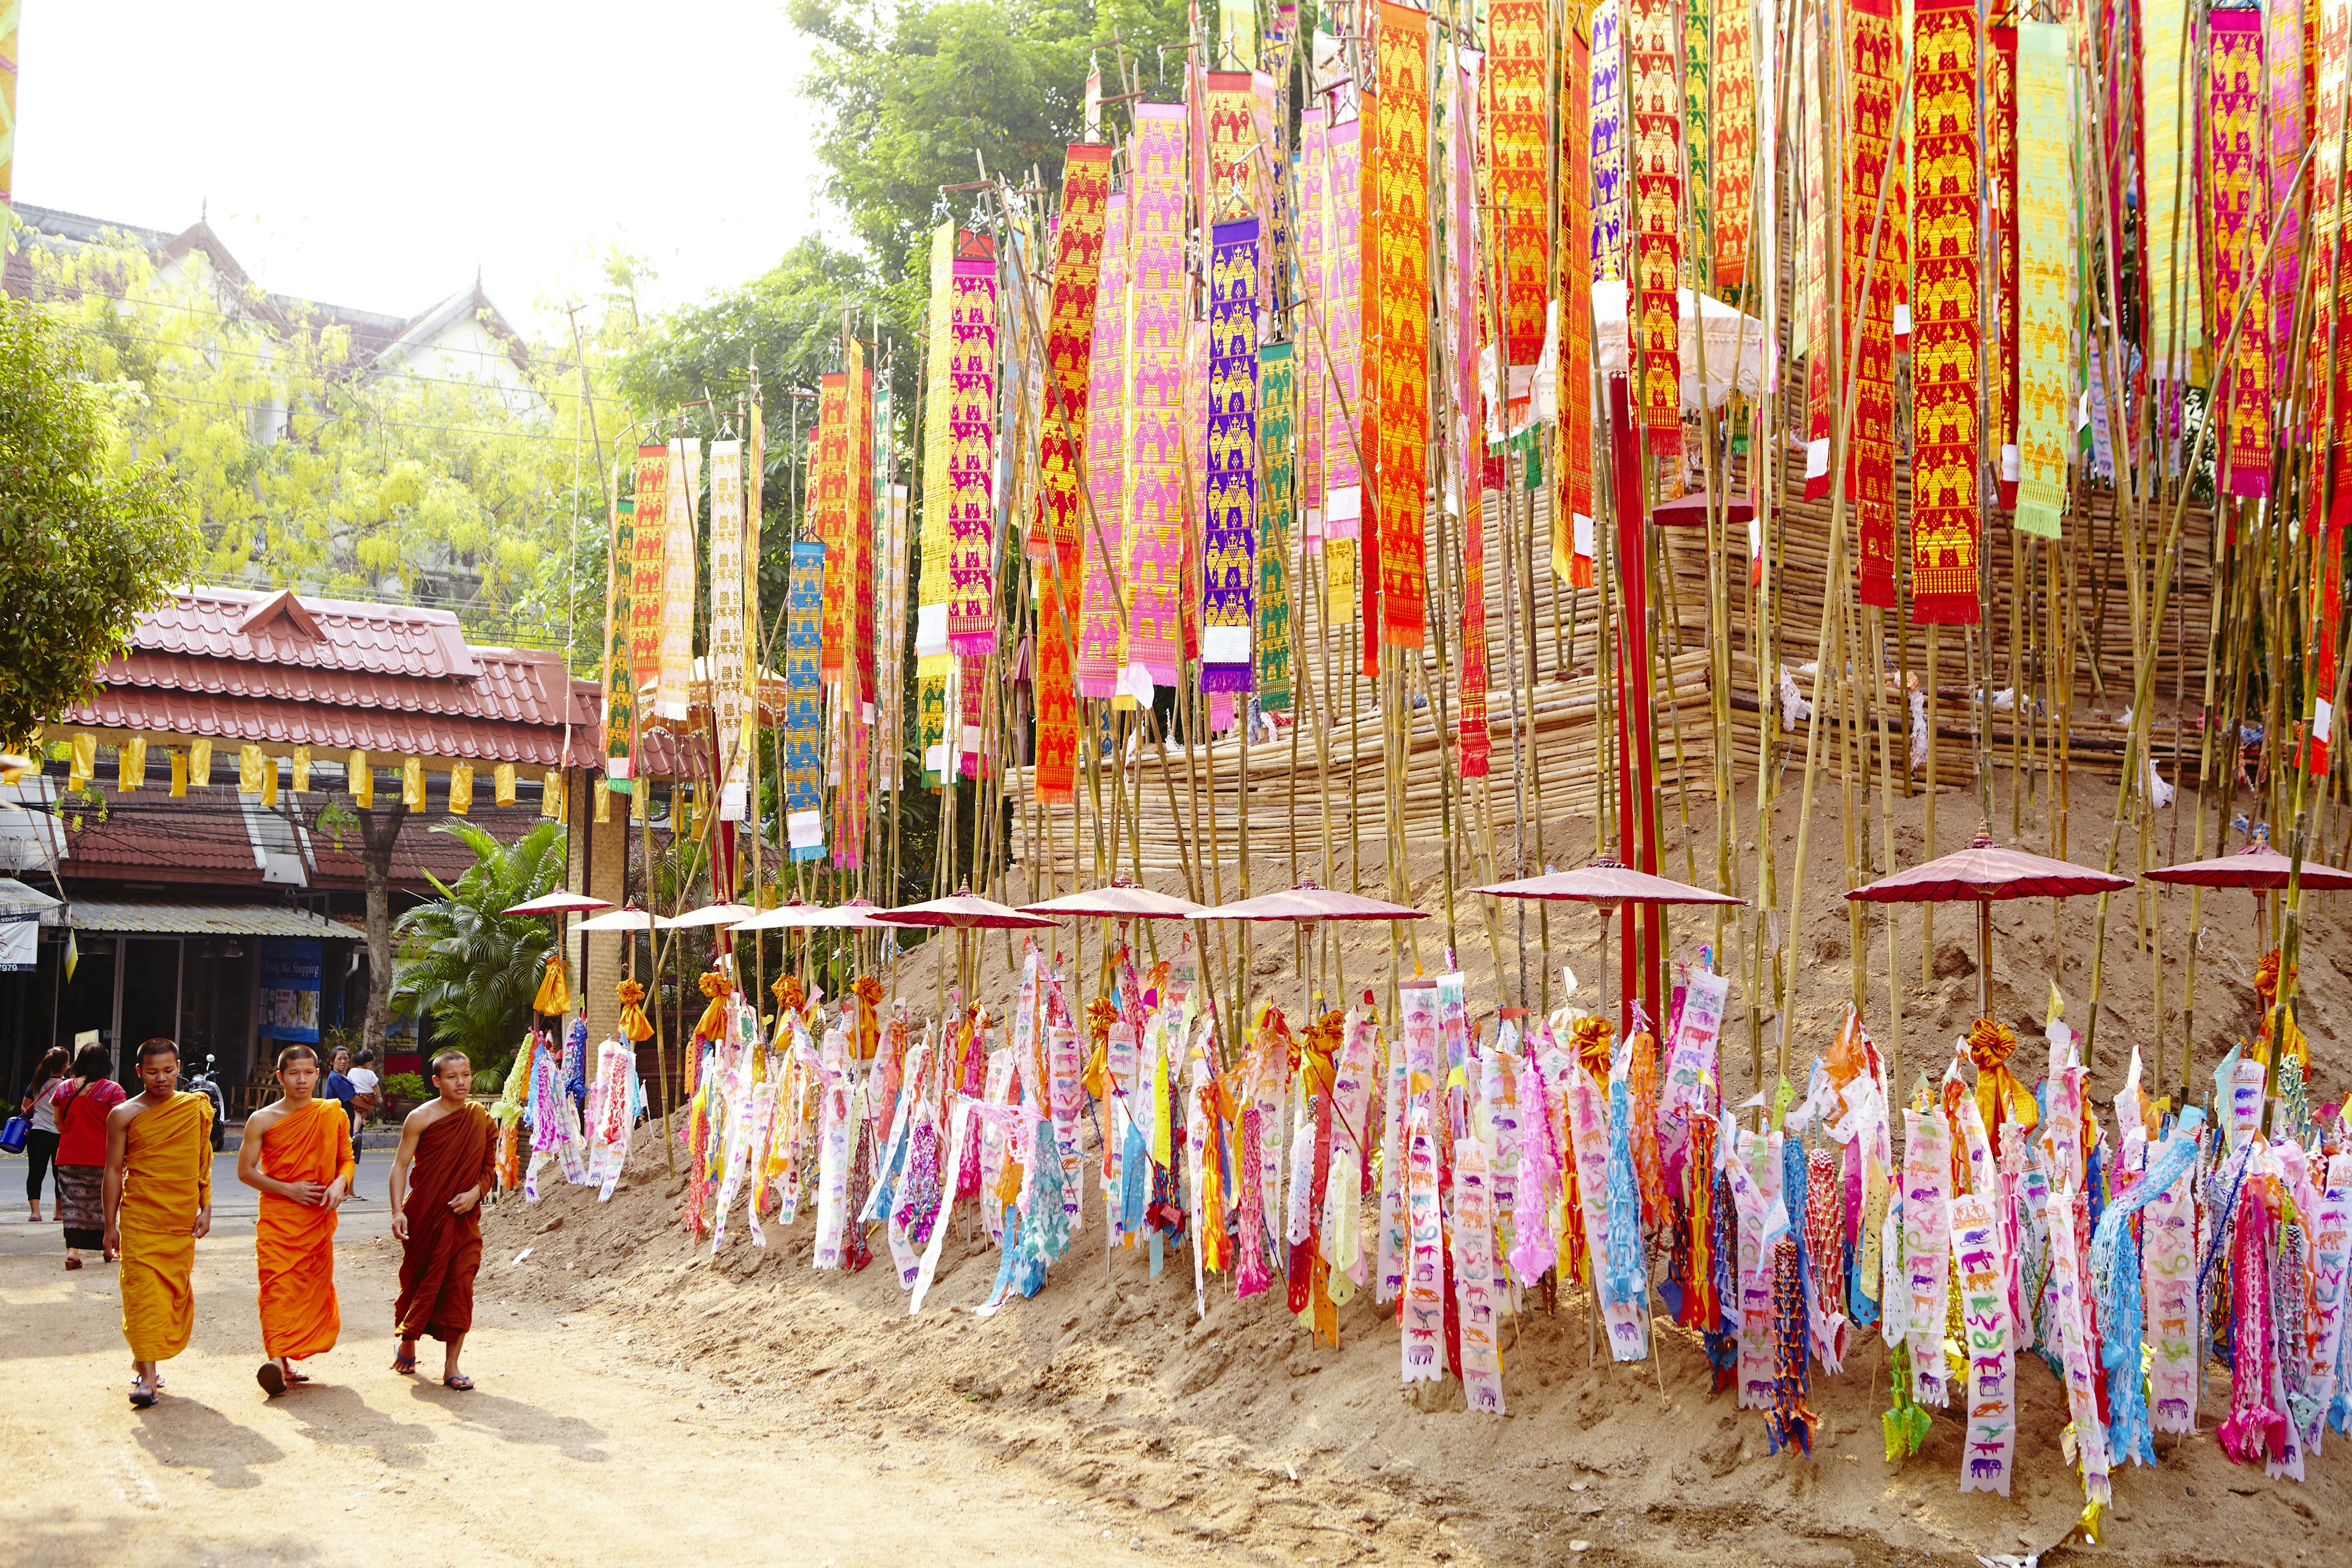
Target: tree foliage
{"points": [[86, 542], [473, 969]]}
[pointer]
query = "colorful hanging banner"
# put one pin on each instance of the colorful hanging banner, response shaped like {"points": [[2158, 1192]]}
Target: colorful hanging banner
{"points": [[1229, 443], [1817, 281], [1947, 355], [645, 569], [2046, 261], [1571, 525], [804, 643], [620, 689], [1102, 645], [2283, 20], [1698, 142], [1277, 430], [1608, 166], [1227, 135], [2332, 290], [1517, 72], [676, 678], [2238, 231], [1872, 220], [1654, 53], [1402, 426], [932, 660], [1981, 1263], [1345, 435], [1155, 512], [859, 648], [2001, 169], [1468, 439], [972, 452], [1315, 330], [1367, 403], [2176, 331], [724, 648], [829, 515], [1734, 125]]}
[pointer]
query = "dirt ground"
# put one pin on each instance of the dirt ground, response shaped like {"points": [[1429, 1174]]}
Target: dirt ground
{"points": [[575, 1448]]}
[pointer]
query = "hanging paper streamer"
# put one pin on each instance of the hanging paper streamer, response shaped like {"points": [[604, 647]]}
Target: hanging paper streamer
{"points": [[1947, 347], [2238, 234], [1984, 1311], [2169, 1283], [1230, 497], [1475, 1288], [1926, 1245], [1277, 436], [1571, 528], [1154, 477], [803, 794], [620, 708], [1062, 437], [1517, 128], [971, 457], [1653, 43], [1734, 125], [1873, 221], [2069, 1307], [676, 676], [2046, 251], [1624, 1300], [1608, 170], [1403, 428], [1424, 1315], [1753, 1159]]}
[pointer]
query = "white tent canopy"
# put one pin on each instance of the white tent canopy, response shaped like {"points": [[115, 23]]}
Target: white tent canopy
{"points": [[1732, 339]]}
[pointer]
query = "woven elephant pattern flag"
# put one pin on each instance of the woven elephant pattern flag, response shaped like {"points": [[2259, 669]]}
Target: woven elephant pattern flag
{"points": [[1230, 441]]}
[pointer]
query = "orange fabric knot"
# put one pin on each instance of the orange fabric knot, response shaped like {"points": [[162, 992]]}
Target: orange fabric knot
{"points": [[1318, 1043], [788, 993], [712, 1025], [1990, 1044], [869, 991], [554, 989], [1100, 1017], [2002, 1099], [2266, 978], [632, 1017], [1590, 1037]]}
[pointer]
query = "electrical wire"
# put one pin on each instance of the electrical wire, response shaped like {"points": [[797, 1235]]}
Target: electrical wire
{"points": [[205, 349], [362, 419]]}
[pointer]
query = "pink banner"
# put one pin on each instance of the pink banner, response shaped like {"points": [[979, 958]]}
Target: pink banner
{"points": [[1100, 531], [1154, 532]]}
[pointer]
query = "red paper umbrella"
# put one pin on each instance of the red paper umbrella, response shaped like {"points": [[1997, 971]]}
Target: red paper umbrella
{"points": [[558, 902], [1691, 511], [1308, 902], [2258, 868], [1983, 874], [963, 912], [1607, 884], [1122, 901]]}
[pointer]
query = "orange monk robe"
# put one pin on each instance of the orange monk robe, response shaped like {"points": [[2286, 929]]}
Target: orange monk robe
{"points": [[167, 1176], [294, 1244], [443, 1249]]}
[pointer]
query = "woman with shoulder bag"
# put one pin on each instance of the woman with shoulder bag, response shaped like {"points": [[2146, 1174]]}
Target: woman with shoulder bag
{"points": [[82, 1104], [41, 1133]]}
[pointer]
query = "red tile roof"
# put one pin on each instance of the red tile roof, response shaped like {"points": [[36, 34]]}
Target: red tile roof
{"points": [[238, 665]]}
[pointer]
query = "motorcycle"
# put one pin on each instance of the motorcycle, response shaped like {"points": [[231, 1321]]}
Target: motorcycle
{"points": [[201, 1083]]}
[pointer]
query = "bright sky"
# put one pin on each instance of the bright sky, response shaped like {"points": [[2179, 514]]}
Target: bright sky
{"points": [[374, 156]]}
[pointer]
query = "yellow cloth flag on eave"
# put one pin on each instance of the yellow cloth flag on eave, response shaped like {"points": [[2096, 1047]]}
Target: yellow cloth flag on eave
{"points": [[461, 789], [359, 778], [83, 760], [130, 764], [411, 783], [179, 774], [301, 769], [603, 803], [551, 796], [269, 782], [249, 765], [200, 764], [502, 782]]}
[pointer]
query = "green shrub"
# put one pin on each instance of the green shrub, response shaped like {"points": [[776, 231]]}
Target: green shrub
{"points": [[407, 1086]]}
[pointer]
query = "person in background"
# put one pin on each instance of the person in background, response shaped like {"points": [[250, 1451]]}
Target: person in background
{"points": [[367, 1096], [82, 1103], [41, 1140]]}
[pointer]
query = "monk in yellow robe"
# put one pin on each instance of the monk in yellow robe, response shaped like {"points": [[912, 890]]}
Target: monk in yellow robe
{"points": [[158, 1199], [444, 1167], [297, 1154]]}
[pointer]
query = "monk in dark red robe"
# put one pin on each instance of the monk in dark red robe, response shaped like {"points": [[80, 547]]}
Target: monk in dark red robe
{"points": [[444, 1167]]}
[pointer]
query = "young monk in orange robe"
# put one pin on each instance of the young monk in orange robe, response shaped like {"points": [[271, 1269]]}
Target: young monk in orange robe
{"points": [[158, 1197], [297, 1154], [447, 1162]]}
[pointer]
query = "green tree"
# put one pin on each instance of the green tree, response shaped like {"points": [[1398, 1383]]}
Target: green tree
{"points": [[472, 968], [86, 543]]}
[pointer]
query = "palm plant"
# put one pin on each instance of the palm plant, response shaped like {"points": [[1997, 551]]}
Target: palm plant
{"points": [[472, 967]]}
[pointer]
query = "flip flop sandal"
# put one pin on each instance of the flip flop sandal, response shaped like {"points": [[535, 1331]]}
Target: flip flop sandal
{"points": [[461, 1383], [73, 1263], [297, 1377], [272, 1378], [404, 1365], [143, 1398]]}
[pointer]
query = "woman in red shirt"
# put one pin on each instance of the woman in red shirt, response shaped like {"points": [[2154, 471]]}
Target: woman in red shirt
{"points": [[82, 1105]]}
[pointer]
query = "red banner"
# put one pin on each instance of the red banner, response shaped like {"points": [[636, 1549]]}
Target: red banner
{"points": [[1518, 126], [830, 514], [1871, 223], [1654, 51], [1403, 428]]}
